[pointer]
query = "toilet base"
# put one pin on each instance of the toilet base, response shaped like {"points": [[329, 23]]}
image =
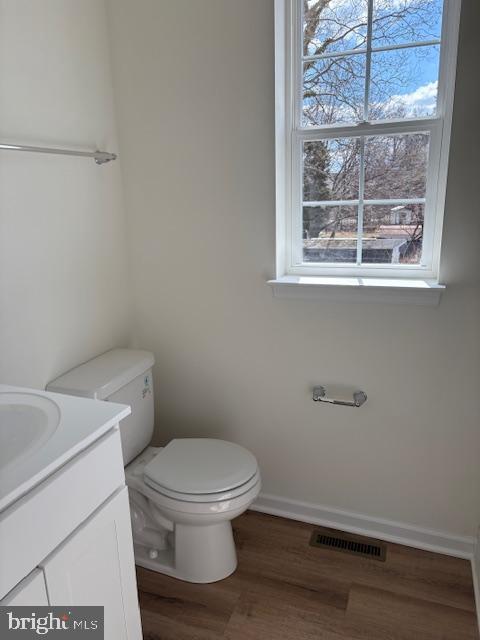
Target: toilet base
{"points": [[191, 541], [202, 554]]}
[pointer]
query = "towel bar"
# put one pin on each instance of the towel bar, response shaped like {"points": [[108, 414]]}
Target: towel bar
{"points": [[100, 157]]}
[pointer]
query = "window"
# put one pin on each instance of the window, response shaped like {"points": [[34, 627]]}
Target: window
{"points": [[364, 94]]}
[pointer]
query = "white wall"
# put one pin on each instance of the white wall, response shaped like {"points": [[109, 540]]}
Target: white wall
{"points": [[64, 290], [194, 84]]}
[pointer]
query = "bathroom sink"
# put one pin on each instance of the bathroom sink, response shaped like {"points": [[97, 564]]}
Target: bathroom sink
{"points": [[27, 422]]}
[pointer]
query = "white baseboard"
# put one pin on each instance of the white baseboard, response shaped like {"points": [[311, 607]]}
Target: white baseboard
{"points": [[389, 530], [476, 577]]}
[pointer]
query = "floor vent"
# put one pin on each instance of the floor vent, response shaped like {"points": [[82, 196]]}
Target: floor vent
{"points": [[349, 543]]}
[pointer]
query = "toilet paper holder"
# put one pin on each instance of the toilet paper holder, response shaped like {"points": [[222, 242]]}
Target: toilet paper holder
{"points": [[320, 395]]}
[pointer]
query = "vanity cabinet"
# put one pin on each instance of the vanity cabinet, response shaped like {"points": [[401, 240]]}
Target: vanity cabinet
{"points": [[69, 541], [94, 566]]}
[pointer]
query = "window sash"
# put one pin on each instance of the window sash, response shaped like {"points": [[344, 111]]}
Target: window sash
{"points": [[299, 59], [430, 126], [289, 63], [295, 257]]}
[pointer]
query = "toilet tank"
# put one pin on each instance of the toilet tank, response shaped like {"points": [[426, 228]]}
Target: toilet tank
{"points": [[119, 375]]}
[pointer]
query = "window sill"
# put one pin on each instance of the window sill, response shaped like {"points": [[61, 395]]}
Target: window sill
{"points": [[351, 289]]}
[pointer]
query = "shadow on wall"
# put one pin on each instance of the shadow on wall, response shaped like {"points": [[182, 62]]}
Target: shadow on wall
{"points": [[167, 424]]}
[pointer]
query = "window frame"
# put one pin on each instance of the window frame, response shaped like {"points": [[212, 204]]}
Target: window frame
{"points": [[290, 137]]}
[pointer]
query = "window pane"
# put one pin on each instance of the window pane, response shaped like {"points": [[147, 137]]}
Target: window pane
{"points": [[402, 21], [404, 83], [333, 90], [330, 234], [396, 166], [331, 169], [392, 234], [334, 26]]}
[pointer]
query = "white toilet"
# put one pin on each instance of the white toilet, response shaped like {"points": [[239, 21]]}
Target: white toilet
{"points": [[182, 496]]}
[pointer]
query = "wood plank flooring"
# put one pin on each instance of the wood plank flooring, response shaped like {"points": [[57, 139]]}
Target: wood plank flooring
{"points": [[285, 589]]}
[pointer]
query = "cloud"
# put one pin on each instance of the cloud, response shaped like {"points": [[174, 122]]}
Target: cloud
{"points": [[421, 101], [426, 93]]}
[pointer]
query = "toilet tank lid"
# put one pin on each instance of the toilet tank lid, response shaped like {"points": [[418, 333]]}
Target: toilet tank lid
{"points": [[104, 375]]}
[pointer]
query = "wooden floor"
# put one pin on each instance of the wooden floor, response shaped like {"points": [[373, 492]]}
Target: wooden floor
{"points": [[285, 589]]}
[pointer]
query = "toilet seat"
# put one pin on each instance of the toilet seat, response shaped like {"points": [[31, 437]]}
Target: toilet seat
{"points": [[198, 505], [201, 470], [205, 497]]}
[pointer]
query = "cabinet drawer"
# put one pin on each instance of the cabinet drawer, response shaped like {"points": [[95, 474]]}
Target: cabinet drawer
{"points": [[37, 523]]}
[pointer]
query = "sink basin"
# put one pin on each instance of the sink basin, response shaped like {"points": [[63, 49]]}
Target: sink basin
{"points": [[41, 431], [27, 422]]}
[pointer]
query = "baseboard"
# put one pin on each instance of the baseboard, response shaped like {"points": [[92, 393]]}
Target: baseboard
{"points": [[389, 530], [476, 577]]}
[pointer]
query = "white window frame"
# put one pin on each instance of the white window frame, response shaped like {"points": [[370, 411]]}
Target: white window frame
{"points": [[290, 136]]}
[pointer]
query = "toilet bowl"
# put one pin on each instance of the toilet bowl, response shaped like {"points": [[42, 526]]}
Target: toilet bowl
{"points": [[183, 496], [183, 534]]}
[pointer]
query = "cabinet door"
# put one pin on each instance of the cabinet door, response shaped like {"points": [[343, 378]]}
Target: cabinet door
{"points": [[30, 592], [95, 566]]}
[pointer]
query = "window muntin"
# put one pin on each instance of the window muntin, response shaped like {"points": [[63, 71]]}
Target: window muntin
{"points": [[373, 88]]}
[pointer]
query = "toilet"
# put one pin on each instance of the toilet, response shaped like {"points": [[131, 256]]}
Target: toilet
{"points": [[182, 496]]}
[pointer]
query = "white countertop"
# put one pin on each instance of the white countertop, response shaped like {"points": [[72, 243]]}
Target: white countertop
{"points": [[82, 421]]}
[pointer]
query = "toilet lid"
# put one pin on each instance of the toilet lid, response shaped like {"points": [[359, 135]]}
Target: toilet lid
{"points": [[201, 466]]}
